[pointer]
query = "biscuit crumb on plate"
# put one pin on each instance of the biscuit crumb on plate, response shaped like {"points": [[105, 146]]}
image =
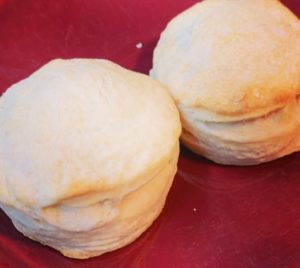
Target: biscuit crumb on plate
{"points": [[139, 45]]}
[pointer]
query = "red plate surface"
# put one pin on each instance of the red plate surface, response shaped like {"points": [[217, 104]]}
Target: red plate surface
{"points": [[215, 216]]}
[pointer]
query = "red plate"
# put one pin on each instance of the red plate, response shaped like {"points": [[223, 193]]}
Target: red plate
{"points": [[215, 216]]}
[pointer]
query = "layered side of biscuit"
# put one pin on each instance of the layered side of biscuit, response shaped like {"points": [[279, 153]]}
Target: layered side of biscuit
{"points": [[245, 141], [87, 226]]}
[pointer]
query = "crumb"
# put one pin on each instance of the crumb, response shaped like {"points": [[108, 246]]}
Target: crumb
{"points": [[194, 209], [139, 45]]}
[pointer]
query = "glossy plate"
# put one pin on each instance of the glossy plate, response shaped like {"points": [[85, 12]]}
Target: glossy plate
{"points": [[215, 216]]}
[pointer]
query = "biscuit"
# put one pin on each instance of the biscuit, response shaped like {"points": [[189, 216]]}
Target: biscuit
{"points": [[88, 152], [233, 68]]}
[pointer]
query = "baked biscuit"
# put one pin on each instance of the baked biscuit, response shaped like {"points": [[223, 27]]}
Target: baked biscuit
{"points": [[233, 68], [88, 152]]}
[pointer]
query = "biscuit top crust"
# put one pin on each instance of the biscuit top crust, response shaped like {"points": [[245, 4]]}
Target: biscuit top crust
{"points": [[231, 57], [81, 126]]}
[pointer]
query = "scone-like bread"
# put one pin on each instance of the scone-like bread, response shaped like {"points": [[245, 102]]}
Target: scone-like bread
{"points": [[88, 152], [233, 67]]}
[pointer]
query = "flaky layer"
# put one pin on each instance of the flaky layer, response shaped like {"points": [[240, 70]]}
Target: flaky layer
{"points": [[244, 142], [79, 231]]}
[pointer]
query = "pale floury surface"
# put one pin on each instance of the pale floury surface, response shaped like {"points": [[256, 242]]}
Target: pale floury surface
{"points": [[88, 153], [233, 68]]}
